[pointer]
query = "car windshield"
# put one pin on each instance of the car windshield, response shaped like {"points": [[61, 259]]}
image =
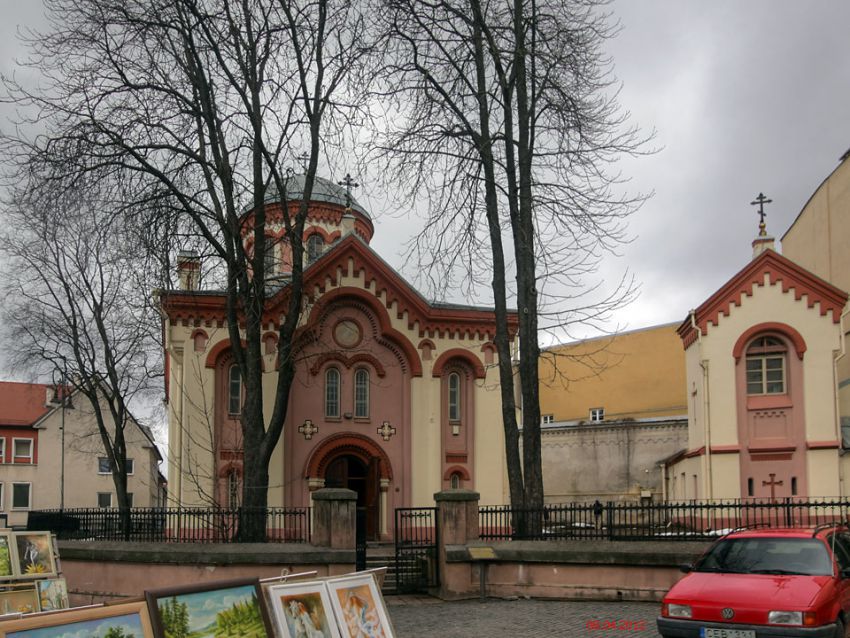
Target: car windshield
{"points": [[767, 556]]}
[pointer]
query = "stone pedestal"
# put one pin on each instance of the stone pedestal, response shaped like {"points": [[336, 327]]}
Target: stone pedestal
{"points": [[457, 513], [334, 518]]}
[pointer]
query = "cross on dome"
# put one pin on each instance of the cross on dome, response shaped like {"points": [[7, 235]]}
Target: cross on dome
{"points": [[760, 201]]}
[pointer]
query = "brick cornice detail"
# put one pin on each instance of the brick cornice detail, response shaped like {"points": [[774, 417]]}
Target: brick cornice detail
{"points": [[778, 270], [348, 362]]}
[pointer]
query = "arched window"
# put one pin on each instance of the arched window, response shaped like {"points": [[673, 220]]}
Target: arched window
{"points": [[454, 397], [454, 481], [234, 390], [332, 393], [361, 393], [232, 489], [766, 366], [269, 257], [315, 245]]}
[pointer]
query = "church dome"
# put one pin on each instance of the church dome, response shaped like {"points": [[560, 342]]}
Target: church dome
{"points": [[324, 190]]}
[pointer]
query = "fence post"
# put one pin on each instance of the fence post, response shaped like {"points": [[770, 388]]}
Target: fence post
{"points": [[457, 520], [334, 518], [609, 516]]}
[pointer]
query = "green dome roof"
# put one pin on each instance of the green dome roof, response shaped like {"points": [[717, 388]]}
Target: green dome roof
{"points": [[324, 190]]}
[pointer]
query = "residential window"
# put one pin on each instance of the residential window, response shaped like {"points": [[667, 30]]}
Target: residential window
{"points": [[22, 450], [766, 366], [548, 418], [597, 415], [454, 397], [2, 449], [361, 393], [21, 496], [234, 390], [105, 467], [2, 499], [233, 489], [315, 245], [332, 393], [104, 499]]}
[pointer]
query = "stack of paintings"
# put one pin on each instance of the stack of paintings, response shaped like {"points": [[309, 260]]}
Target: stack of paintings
{"points": [[345, 607], [28, 574]]}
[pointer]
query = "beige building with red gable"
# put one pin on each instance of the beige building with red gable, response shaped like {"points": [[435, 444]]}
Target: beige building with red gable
{"points": [[768, 378]]}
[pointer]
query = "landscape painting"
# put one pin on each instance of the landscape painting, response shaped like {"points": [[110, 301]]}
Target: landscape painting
{"points": [[359, 607], [232, 609], [6, 559], [303, 610], [24, 601], [53, 594], [34, 553], [124, 620]]}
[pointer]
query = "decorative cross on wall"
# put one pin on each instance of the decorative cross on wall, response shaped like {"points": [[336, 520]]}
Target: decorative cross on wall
{"points": [[308, 429], [773, 483], [760, 201], [386, 430], [349, 183]]}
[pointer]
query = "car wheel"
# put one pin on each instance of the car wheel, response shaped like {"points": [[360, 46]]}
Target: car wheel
{"points": [[840, 630]]}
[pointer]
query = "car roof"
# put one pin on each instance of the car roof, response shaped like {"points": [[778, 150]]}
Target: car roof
{"points": [[785, 532]]}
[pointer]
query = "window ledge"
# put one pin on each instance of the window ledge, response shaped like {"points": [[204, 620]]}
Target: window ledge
{"points": [[362, 419], [333, 419], [769, 401]]}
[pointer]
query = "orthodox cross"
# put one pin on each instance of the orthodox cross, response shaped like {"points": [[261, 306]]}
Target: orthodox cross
{"points": [[308, 429], [773, 483], [349, 183], [760, 201], [304, 158], [386, 430]]}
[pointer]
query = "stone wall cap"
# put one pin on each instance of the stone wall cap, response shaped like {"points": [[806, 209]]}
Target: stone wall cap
{"points": [[457, 495], [334, 494]]}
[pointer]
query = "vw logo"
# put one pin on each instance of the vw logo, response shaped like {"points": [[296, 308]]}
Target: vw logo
{"points": [[727, 613]]}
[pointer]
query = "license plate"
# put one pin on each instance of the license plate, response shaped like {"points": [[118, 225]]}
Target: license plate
{"points": [[710, 632]]}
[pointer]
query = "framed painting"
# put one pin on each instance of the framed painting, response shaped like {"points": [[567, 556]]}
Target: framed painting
{"points": [[52, 594], [222, 608], [7, 555], [34, 554], [359, 607], [124, 620], [302, 610], [19, 600]]}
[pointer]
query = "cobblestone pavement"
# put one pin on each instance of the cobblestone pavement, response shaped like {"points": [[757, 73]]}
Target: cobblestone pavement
{"points": [[423, 617]]}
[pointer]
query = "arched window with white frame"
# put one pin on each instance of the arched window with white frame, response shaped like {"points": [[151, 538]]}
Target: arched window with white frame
{"points": [[454, 398], [361, 393], [332, 383], [766, 366], [234, 390]]}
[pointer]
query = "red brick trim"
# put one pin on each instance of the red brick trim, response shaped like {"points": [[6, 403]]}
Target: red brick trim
{"points": [[348, 362], [822, 445], [357, 445], [456, 469], [464, 355]]}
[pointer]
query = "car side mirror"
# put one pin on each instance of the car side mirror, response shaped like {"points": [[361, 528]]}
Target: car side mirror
{"points": [[687, 568]]}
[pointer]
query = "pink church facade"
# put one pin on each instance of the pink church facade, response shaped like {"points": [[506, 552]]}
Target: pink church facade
{"points": [[394, 397]]}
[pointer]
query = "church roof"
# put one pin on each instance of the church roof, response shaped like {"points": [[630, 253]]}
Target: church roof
{"points": [[324, 190], [22, 403], [778, 270]]}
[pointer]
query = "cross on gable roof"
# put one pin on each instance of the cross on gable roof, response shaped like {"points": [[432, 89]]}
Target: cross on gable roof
{"points": [[778, 270]]}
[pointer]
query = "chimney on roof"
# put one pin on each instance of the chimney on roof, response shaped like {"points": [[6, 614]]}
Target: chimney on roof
{"points": [[189, 270]]}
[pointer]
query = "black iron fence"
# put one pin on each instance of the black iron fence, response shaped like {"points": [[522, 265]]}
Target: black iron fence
{"points": [[687, 520], [417, 537], [171, 524]]}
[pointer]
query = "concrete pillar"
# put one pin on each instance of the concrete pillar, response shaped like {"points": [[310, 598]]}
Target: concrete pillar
{"points": [[457, 513], [334, 522]]}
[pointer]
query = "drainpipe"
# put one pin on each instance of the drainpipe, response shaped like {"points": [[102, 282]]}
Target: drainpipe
{"points": [[703, 363], [841, 354]]}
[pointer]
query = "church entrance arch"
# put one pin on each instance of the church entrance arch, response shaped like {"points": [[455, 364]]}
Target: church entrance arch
{"points": [[356, 463]]}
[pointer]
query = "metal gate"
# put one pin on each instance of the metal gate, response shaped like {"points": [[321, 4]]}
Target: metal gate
{"points": [[416, 536]]}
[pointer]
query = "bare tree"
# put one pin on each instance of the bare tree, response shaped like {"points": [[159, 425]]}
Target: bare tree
{"points": [[510, 126], [213, 99], [77, 309]]}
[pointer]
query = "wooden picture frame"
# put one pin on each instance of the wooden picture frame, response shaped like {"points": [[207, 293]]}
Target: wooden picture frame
{"points": [[52, 594], [19, 600], [93, 621], [8, 558], [359, 606], [302, 609], [200, 605], [33, 554]]}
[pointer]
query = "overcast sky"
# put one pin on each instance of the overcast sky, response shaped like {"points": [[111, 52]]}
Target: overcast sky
{"points": [[746, 96]]}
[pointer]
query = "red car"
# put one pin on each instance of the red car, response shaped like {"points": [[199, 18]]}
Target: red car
{"points": [[765, 583]]}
